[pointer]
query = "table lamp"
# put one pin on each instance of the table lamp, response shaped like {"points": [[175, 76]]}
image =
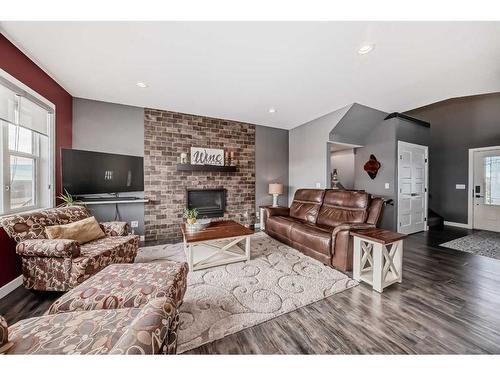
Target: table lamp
{"points": [[275, 190]]}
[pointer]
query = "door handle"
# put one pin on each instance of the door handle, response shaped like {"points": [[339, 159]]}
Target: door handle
{"points": [[413, 194]]}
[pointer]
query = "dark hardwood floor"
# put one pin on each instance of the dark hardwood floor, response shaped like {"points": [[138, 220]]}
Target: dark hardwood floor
{"points": [[449, 302]]}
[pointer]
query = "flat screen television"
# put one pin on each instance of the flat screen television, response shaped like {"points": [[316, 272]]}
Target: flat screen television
{"points": [[88, 172]]}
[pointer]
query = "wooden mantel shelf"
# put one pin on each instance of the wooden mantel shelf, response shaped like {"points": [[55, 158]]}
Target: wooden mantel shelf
{"points": [[207, 168]]}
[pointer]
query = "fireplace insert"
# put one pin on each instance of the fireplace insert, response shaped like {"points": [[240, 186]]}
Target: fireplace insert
{"points": [[208, 202]]}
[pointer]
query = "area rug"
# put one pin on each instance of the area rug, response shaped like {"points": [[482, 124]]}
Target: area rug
{"points": [[482, 243], [226, 299]]}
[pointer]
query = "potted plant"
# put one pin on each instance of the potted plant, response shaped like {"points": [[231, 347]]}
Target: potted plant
{"points": [[68, 200], [190, 214]]}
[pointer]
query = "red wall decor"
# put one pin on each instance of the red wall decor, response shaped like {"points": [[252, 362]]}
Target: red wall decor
{"points": [[372, 166], [18, 65]]}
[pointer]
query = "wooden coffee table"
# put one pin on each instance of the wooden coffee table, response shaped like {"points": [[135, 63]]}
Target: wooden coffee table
{"points": [[204, 248]]}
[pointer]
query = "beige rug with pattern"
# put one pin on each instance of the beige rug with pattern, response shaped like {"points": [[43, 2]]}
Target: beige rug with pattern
{"points": [[226, 299]]}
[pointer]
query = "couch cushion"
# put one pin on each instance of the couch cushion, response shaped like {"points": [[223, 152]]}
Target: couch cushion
{"points": [[306, 204], [280, 225], [4, 332], [32, 225], [82, 231], [96, 255], [313, 237], [126, 285], [343, 206], [88, 332]]}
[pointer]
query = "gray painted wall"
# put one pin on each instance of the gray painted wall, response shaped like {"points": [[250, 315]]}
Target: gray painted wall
{"points": [[381, 142], [457, 125], [411, 132], [113, 128], [309, 152], [357, 124], [108, 127], [343, 161], [271, 163]]}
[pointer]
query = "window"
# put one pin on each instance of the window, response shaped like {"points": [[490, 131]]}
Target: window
{"points": [[25, 159], [492, 180]]}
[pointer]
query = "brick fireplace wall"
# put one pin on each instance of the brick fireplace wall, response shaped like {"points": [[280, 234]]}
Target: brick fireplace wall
{"points": [[166, 136]]}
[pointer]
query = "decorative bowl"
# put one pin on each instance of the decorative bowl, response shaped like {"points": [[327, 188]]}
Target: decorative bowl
{"points": [[199, 225]]}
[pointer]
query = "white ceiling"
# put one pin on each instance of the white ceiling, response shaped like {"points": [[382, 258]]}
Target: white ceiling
{"points": [[238, 70]]}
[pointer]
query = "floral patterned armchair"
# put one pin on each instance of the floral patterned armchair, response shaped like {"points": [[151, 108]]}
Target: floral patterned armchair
{"points": [[61, 264]]}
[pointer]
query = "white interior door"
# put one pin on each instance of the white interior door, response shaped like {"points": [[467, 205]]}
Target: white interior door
{"points": [[486, 193], [412, 187]]}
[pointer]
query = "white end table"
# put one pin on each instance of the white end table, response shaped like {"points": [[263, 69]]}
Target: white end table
{"points": [[378, 257]]}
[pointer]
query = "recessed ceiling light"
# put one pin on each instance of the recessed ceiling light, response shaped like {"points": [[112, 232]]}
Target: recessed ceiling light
{"points": [[142, 85], [272, 110], [365, 48]]}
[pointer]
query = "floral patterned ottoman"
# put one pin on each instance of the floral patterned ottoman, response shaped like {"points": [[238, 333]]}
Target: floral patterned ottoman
{"points": [[126, 286], [151, 329]]}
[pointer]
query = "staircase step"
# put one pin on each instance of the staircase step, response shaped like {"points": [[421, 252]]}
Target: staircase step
{"points": [[434, 220]]}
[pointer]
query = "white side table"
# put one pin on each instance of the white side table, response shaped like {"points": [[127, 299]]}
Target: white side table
{"points": [[378, 257]]}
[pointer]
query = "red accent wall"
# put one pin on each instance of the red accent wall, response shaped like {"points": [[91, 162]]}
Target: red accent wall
{"points": [[10, 262], [17, 64]]}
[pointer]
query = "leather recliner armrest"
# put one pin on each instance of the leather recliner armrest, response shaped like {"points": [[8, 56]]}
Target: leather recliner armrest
{"points": [[277, 211], [341, 244], [57, 248], [375, 211], [274, 211], [350, 226]]}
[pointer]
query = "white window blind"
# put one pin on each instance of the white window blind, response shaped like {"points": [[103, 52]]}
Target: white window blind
{"points": [[26, 150], [33, 117], [8, 102]]}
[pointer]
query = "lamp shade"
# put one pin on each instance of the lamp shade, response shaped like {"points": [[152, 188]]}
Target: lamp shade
{"points": [[275, 188]]}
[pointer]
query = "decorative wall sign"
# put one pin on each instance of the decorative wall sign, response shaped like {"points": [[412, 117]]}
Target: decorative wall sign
{"points": [[372, 166], [207, 156]]}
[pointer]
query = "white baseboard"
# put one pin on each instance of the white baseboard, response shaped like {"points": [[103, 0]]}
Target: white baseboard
{"points": [[460, 225], [10, 286]]}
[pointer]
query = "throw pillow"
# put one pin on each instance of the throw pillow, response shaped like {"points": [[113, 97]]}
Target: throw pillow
{"points": [[82, 231]]}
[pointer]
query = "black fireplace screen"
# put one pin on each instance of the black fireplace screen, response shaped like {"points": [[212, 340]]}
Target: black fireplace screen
{"points": [[208, 202]]}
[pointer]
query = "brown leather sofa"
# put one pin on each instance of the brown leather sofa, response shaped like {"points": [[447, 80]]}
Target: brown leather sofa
{"points": [[318, 223]]}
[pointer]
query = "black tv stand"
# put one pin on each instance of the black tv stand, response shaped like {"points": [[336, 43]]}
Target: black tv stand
{"points": [[111, 200], [107, 199]]}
